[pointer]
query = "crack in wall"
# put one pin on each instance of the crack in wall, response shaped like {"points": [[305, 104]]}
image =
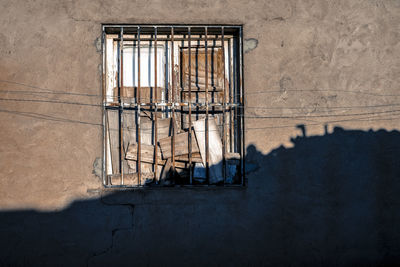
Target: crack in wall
{"points": [[113, 231]]}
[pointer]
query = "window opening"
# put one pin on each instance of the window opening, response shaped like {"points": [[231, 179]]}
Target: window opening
{"points": [[172, 105]]}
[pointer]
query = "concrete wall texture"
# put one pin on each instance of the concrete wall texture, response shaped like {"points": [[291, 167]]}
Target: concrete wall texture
{"points": [[321, 194]]}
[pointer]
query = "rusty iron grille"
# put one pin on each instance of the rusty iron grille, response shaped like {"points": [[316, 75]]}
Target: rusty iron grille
{"points": [[173, 105]]}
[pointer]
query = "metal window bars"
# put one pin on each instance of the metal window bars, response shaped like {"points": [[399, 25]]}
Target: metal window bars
{"points": [[173, 105]]}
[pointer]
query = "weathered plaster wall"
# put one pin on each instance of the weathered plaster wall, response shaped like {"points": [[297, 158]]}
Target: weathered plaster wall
{"points": [[328, 198]]}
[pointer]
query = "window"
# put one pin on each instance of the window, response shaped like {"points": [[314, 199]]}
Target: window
{"points": [[172, 105]]}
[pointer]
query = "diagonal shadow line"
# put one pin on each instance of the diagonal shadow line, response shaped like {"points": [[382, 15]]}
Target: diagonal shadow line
{"points": [[321, 90], [324, 115], [373, 118], [29, 93], [50, 101], [45, 90], [47, 117]]}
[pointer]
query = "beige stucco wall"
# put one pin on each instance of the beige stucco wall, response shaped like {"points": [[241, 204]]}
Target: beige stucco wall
{"points": [[314, 59], [327, 198]]}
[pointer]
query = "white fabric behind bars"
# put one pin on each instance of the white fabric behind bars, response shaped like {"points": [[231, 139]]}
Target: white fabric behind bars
{"points": [[130, 68], [146, 66]]}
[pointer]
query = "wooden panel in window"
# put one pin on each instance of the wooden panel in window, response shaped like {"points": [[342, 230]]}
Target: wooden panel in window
{"points": [[128, 93], [215, 68]]}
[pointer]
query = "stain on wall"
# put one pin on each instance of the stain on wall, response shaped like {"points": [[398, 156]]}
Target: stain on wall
{"points": [[98, 168], [249, 44]]}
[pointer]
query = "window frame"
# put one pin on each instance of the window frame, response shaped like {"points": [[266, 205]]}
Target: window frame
{"points": [[239, 83]]}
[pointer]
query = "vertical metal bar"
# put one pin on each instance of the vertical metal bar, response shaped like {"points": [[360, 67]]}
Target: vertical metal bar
{"points": [[206, 100], [214, 95], [196, 80], [121, 107], [139, 168], [230, 97], [224, 107], [104, 162], [108, 142], [190, 107], [155, 103], [173, 99], [167, 91], [235, 62], [180, 77], [241, 117]]}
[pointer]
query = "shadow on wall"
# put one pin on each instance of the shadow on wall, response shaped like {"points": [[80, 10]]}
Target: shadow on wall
{"points": [[331, 200]]}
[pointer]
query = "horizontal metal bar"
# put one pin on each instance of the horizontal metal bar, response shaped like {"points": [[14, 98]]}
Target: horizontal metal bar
{"points": [[202, 46], [175, 39], [171, 25], [181, 104], [233, 186], [179, 29]]}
